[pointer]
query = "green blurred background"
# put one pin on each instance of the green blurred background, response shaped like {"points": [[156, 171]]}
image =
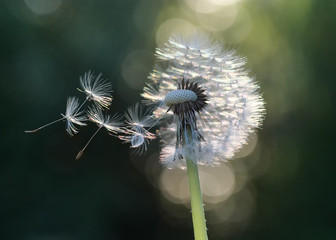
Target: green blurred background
{"points": [[279, 187]]}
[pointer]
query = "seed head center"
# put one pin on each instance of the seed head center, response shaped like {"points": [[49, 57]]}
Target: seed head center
{"points": [[180, 96]]}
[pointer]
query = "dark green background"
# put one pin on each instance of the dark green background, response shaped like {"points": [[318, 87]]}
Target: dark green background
{"points": [[46, 194]]}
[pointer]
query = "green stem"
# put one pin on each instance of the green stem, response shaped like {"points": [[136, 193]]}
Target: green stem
{"points": [[198, 217]]}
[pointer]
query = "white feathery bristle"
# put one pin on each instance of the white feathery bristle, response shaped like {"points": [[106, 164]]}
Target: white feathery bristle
{"points": [[180, 96]]}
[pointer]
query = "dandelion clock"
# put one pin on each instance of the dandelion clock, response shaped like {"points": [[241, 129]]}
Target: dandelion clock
{"points": [[206, 105]]}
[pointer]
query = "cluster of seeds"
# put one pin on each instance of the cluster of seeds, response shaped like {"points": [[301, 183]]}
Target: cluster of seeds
{"points": [[98, 91]]}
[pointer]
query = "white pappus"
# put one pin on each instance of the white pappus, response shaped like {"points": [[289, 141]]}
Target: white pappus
{"points": [[96, 89], [113, 125]]}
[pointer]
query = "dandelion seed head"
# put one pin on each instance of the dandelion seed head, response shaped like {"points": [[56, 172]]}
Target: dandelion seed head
{"points": [[207, 90], [180, 96], [96, 89]]}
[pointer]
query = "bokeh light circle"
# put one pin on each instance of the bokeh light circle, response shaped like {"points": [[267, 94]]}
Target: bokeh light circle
{"points": [[42, 7], [173, 25]]}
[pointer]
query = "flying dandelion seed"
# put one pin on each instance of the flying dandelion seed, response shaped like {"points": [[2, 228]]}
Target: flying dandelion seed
{"points": [[96, 89], [137, 135], [113, 125], [72, 116], [196, 85]]}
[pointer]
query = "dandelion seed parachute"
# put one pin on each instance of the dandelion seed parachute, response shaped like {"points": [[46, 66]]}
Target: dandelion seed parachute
{"points": [[207, 89], [112, 124], [138, 124], [73, 117], [96, 89]]}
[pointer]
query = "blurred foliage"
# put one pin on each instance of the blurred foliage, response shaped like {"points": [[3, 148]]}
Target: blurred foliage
{"points": [[286, 190]]}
